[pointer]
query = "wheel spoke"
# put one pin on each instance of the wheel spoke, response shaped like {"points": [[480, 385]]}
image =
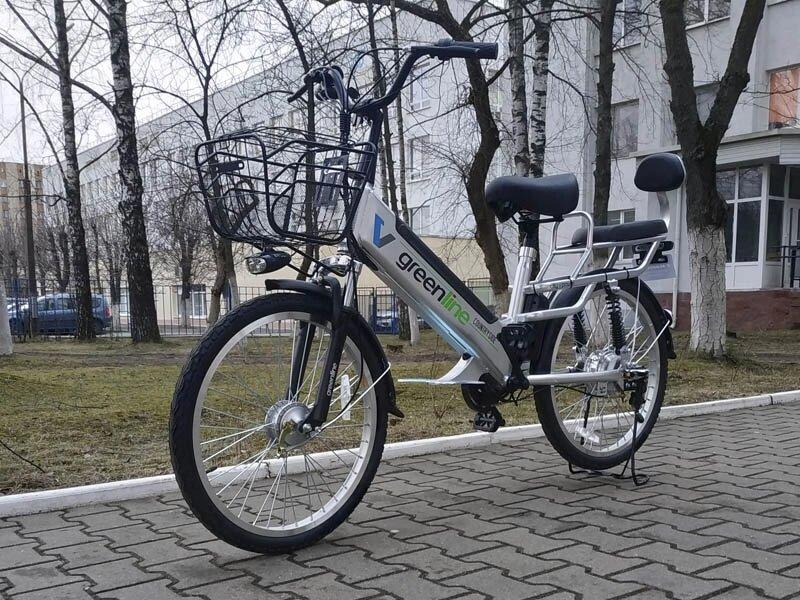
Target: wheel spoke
{"points": [[262, 473], [597, 423]]}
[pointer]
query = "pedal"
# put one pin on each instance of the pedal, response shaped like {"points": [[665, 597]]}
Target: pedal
{"points": [[489, 420]]}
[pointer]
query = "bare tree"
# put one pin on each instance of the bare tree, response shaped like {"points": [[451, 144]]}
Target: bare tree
{"points": [[603, 124], [71, 180], [6, 341], [408, 318], [396, 194], [290, 22], [197, 37], [112, 256], [58, 249], [141, 296], [182, 230], [706, 210], [519, 99], [542, 24], [468, 28]]}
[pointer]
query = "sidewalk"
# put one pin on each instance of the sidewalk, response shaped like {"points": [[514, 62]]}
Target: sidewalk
{"points": [[721, 516]]}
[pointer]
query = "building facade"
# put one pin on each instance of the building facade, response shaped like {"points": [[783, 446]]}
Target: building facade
{"points": [[440, 137], [759, 160], [12, 215]]}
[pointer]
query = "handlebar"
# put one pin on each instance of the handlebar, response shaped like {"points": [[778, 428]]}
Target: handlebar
{"points": [[332, 85], [447, 49]]}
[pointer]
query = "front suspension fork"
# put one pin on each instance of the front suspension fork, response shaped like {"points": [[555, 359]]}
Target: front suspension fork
{"points": [[327, 383]]}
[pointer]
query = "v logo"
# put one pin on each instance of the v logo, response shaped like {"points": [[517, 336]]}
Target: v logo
{"points": [[379, 241]]}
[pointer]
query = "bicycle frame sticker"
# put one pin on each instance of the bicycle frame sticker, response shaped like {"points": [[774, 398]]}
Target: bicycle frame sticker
{"points": [[422, 286]]}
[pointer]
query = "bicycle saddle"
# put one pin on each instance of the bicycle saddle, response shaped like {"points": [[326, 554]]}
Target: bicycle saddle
{"points": [[553, 196], [625, 232]]}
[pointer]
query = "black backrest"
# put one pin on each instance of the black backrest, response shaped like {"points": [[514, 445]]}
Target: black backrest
{"points": [[660, 173]]}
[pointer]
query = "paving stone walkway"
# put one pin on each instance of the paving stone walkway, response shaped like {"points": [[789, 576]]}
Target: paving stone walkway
{"points": [[720, 518]]}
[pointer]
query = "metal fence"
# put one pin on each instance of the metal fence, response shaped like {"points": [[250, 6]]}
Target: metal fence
{"points": [[56, 315]]}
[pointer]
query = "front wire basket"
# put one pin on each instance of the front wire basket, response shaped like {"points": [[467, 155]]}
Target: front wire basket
{"points": [[271, 186]]}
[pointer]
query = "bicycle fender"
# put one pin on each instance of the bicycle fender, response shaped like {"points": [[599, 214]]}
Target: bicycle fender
{"points": [[377, 349], [570, 296], [296, 285]]}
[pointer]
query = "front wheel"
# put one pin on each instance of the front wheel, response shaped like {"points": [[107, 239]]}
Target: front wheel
{"points": [[591, 425], [245, 469]]}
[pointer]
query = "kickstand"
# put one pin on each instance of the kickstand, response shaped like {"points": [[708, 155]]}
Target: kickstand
{"points": [[637, 478]]}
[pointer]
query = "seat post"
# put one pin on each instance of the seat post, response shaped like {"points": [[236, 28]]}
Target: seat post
{"points": [[522, 276]]}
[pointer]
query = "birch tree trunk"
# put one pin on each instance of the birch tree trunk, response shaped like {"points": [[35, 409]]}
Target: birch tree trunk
{"points": [[390, 181], [706, 255], [705, 209], [605, 80], [486, 236], [519, 100], [6, 341], [71, 181], [142, 304], [540, 70], [408, 317]]}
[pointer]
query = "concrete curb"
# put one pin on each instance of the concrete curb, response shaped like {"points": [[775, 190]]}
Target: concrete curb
{"points": [[115, 491]]}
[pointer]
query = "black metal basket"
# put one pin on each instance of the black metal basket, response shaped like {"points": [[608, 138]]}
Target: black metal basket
{"points": [[271, 186]]}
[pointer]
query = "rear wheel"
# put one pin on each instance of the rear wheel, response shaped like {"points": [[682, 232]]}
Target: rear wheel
{"points": [[246, 470], [591, 425]]}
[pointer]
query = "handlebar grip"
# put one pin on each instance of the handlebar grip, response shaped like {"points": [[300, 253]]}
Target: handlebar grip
{"points": [[458, 49]]}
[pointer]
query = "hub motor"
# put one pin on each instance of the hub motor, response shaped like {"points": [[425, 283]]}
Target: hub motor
{"points": [[282, 422]]}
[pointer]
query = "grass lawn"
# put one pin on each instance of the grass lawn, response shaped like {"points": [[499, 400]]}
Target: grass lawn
{"points": [[88, 413]]}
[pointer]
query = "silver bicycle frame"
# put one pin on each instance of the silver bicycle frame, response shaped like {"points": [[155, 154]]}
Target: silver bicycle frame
{"points": [[398, 263]]}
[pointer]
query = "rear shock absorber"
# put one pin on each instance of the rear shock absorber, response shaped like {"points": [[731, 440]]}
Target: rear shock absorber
{"points": [[579, 330], [618, 337]]}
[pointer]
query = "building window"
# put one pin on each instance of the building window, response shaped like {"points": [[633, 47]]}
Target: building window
{"points": [[124, 302], [628, 22], [624, 129], [774, 229], [783, 97], [784, 185], [416, 160], [617, 217], [421, 219], [419, 98], [738, 187], [196, 302], [705, 100], [295, 119], [700, 11], [495, 92]]}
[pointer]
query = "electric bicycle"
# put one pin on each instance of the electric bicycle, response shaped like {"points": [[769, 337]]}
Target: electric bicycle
{"points": [[280, 414]]}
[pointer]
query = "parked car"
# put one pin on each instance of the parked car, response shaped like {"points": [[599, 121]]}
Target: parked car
{"points": [[388, 321], [57, 315]]}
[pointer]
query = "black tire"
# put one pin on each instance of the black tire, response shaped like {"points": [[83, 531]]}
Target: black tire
{"points": [[183, 410], [548, 413], [98, 327]]}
